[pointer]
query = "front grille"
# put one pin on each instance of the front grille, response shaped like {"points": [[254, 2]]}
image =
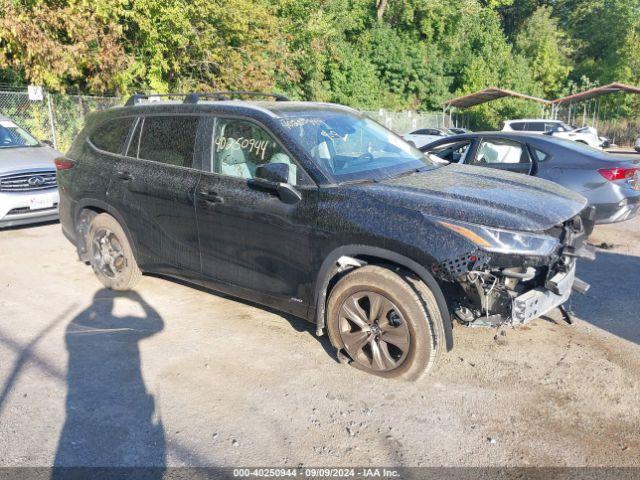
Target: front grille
{"points": [[28, 181], [22, 210]]}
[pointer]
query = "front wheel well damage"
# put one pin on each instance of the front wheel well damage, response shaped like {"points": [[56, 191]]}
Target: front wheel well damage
{"points": [[336, 266]]}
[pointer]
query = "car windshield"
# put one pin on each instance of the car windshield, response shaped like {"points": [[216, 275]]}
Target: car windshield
{"points": [[12, 136], [352, 147]]}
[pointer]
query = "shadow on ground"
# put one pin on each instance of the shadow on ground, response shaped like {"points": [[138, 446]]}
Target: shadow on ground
{"points": [[298, 324], [111, 419], [612, 302]]}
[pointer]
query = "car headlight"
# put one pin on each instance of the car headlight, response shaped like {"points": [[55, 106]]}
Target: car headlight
{"points": [[504, 241]]}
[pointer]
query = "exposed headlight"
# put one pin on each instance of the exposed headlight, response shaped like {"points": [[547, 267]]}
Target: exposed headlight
{"points": [[504, 241]]}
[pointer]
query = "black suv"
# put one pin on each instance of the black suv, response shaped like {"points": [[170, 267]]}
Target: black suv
{"points": [[318, 211]]}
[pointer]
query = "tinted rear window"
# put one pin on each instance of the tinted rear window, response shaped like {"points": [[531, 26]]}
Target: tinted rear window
{"points": [[517, 125], [535, 127], [169, 139], [111, 135]]}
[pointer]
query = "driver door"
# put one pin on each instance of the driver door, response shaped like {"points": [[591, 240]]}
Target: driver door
{"points": [[249, 237], [502, 154]]}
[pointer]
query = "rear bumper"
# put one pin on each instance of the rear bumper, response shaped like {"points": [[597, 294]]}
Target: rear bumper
{"points": [[27, 207], [625, 209], [67, 209]]}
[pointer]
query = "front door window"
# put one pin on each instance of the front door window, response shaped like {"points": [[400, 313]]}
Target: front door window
{"points": [[239, 147]]}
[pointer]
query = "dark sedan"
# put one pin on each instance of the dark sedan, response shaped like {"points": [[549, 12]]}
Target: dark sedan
{"points": [[611, 183]]}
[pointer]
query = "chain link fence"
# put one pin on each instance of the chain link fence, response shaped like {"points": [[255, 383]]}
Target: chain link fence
{"points": [[407, 121], [56, 117]]}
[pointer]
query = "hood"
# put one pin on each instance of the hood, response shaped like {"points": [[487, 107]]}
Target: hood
{"points": [[483, 196], [26, 158]]}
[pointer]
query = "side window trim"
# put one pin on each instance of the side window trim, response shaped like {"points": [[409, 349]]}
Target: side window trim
{"points": [[470, 156], [212, 160], [533, 154], [131, 136]]}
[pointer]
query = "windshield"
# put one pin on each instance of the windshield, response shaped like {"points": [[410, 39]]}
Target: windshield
{"points": [[350, 147], [12, 136]]}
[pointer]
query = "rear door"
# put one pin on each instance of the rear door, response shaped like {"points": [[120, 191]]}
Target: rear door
{"points": [[502, 154], [154, 185], [249, 237]]}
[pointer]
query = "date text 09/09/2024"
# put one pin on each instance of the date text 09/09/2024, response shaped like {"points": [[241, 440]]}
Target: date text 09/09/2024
{"points": [[316, 472]]}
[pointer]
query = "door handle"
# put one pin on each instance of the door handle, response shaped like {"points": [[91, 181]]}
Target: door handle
{"points": [[210, 196], [123, 175]]}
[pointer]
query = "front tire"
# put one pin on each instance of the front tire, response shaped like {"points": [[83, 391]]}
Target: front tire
{"points": [[386, 322], [111, 256]]}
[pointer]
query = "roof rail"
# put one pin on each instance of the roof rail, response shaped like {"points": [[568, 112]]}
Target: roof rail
{"points": [[136, 97], [196, 97]]}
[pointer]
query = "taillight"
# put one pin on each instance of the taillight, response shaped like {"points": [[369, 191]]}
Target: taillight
{"points": [[612, 174], [63, 163]]}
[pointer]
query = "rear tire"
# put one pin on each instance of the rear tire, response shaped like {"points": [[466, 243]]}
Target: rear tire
{"points": [[110, 254], [387, 322]]}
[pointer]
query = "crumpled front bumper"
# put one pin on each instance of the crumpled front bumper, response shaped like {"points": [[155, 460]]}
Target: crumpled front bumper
{"points": [[541, 300]]}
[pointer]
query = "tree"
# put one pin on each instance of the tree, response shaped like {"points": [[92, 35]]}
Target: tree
{"points": [[60, 45], [122, 45], [544, 45]]}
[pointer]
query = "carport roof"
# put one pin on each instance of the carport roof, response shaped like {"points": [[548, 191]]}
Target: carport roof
{"points": [[487, 95], [596, 92]]}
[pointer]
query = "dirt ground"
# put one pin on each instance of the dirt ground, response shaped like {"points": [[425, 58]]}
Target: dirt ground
{"points": [[178, 376]]}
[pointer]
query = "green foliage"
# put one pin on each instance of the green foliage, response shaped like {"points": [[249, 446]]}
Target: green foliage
{"points": [[546, 49], [397, 54]]}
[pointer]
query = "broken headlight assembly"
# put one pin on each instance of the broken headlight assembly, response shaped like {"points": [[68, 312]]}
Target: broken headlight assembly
{"points": [[488, 293], [504, 241]]}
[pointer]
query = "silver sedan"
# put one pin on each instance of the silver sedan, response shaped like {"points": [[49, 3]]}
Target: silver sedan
{"points": [[611, 183]]}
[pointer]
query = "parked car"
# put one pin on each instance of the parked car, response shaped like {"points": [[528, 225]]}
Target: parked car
{"points": [[586, 135], [28, 189], [318, 211], [611, 183], [422, 136], [636, 146]]}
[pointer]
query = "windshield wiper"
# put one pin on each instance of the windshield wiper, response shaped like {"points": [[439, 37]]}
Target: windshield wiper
{"points": [[413, 171]]}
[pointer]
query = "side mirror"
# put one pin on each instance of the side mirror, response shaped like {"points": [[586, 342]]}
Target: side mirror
{"points": [[48, 143], [275, 176], [273, 172]]}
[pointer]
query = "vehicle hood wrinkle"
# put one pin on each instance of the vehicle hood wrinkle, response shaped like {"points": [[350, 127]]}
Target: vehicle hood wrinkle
{"points": [[482, 196], [14, 159]]}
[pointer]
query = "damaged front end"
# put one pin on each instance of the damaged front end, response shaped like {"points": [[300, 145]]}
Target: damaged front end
{"points": [[513, 277]]}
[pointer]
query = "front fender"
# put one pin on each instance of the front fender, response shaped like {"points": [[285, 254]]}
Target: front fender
{"points": [[328, 270]]}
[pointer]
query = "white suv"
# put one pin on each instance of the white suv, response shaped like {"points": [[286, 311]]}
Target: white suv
{"points": [[28, 187], [557, 128]]}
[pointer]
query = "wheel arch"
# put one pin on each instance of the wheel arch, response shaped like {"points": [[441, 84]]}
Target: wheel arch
{"points": [[329, 271], [81, 226]]}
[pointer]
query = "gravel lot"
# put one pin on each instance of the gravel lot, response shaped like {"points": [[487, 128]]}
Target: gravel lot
{"points": [[178, 376]]}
